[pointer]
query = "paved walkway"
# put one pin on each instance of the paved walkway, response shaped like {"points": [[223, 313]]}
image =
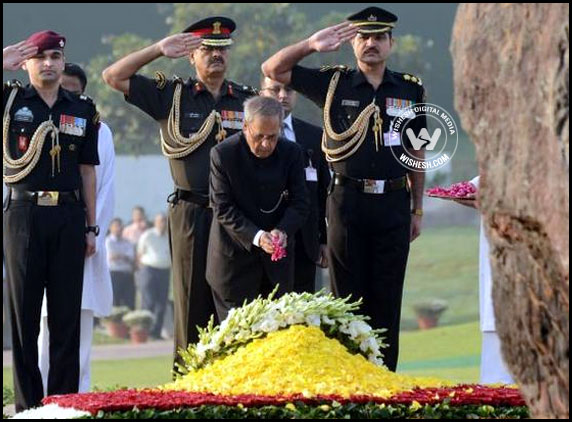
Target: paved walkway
{"points": [[118, 352]]}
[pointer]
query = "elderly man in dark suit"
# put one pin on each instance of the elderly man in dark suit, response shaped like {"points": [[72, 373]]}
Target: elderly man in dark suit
{"points": [[259, 200], [312, 238]]}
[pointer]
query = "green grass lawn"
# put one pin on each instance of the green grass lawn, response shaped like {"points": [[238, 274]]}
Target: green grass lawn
{"points": [[444, 264], [451, 352]]}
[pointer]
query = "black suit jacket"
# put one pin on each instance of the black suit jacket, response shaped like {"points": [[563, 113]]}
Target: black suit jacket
{"points": [[242, 185], [314, 232]]}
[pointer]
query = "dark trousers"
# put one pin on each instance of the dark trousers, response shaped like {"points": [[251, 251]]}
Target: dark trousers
{"points": [[255, 277], [189, 226], [123, 284], [154, 285], [304, 269], [44, 249], [368, 238]]}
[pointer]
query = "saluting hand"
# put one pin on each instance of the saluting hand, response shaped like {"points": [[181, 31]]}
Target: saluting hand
{"points": [[179, 45], [330, 39], [14, 56]]}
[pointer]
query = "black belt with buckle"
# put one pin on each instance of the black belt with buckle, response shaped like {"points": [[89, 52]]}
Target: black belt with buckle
{"points": [[370, 185], [188, 196], [46, 198]]}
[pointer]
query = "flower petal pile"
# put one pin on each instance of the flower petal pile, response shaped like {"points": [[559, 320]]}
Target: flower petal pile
{"points": [[461, 190], [299, 359]]}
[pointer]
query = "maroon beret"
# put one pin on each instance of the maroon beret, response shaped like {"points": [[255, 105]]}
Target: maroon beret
{"points": [[47, 40]]}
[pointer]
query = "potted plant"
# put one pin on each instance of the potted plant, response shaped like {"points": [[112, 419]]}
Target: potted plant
{"points": [[139, 323], [114, 322], [428, 312]]}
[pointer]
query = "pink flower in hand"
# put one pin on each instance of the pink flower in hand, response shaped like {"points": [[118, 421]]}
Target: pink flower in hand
{"points": [[279, 249]]}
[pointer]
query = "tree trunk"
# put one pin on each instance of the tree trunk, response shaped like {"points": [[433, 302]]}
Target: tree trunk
{"points": [[511, 90]]}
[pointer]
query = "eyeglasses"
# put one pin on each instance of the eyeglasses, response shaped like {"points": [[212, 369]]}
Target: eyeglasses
{"points": [[275, 90]]}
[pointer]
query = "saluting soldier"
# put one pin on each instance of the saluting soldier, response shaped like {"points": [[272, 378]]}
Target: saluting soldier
{"points": [[49, 156], [370, 204], [194, 115]]}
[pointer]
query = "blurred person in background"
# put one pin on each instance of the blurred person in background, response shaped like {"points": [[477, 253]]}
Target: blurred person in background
{"points": [[121, 259], [139, 224], [154, 255]]}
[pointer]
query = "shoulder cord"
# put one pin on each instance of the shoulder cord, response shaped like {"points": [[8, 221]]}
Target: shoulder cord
{"points": [[29, 160], [357, 131], [181, 146]]}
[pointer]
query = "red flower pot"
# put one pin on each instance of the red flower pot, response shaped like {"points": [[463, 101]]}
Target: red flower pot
{"points": [[139, 335], [426, 322], [117, 329]]}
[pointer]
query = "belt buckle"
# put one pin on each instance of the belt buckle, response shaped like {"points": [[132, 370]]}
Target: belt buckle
{"points": [[374, 186], [48, 198]]}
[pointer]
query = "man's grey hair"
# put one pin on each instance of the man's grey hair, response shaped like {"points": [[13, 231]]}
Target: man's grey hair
{"points": [[262, 106]]}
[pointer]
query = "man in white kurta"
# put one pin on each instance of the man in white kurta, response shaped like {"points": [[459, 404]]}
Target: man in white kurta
{"points": [[493, 369], [97, 296]]}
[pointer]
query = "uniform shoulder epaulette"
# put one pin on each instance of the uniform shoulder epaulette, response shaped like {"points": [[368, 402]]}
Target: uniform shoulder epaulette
{"points": [[178, 79], [160, 80], [14, 83], [412, 79], [249, 90], [87, 99], [335, 67]]}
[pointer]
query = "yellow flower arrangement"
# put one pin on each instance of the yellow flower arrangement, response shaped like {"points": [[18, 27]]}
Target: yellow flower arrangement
{"points": [[296, 360]]}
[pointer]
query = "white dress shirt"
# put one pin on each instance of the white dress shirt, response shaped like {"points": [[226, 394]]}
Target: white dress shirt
{"points": [[120, 247], [153, 249]]}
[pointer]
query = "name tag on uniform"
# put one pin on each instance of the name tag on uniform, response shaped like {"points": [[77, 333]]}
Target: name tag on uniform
{"points": [[311, 174], [350, 103], [232, 119], [391, 139], [70, 125], [397, 106]]}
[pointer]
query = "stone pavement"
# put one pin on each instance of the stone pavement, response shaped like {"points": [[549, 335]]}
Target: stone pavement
{"points": [[118, 352]]}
